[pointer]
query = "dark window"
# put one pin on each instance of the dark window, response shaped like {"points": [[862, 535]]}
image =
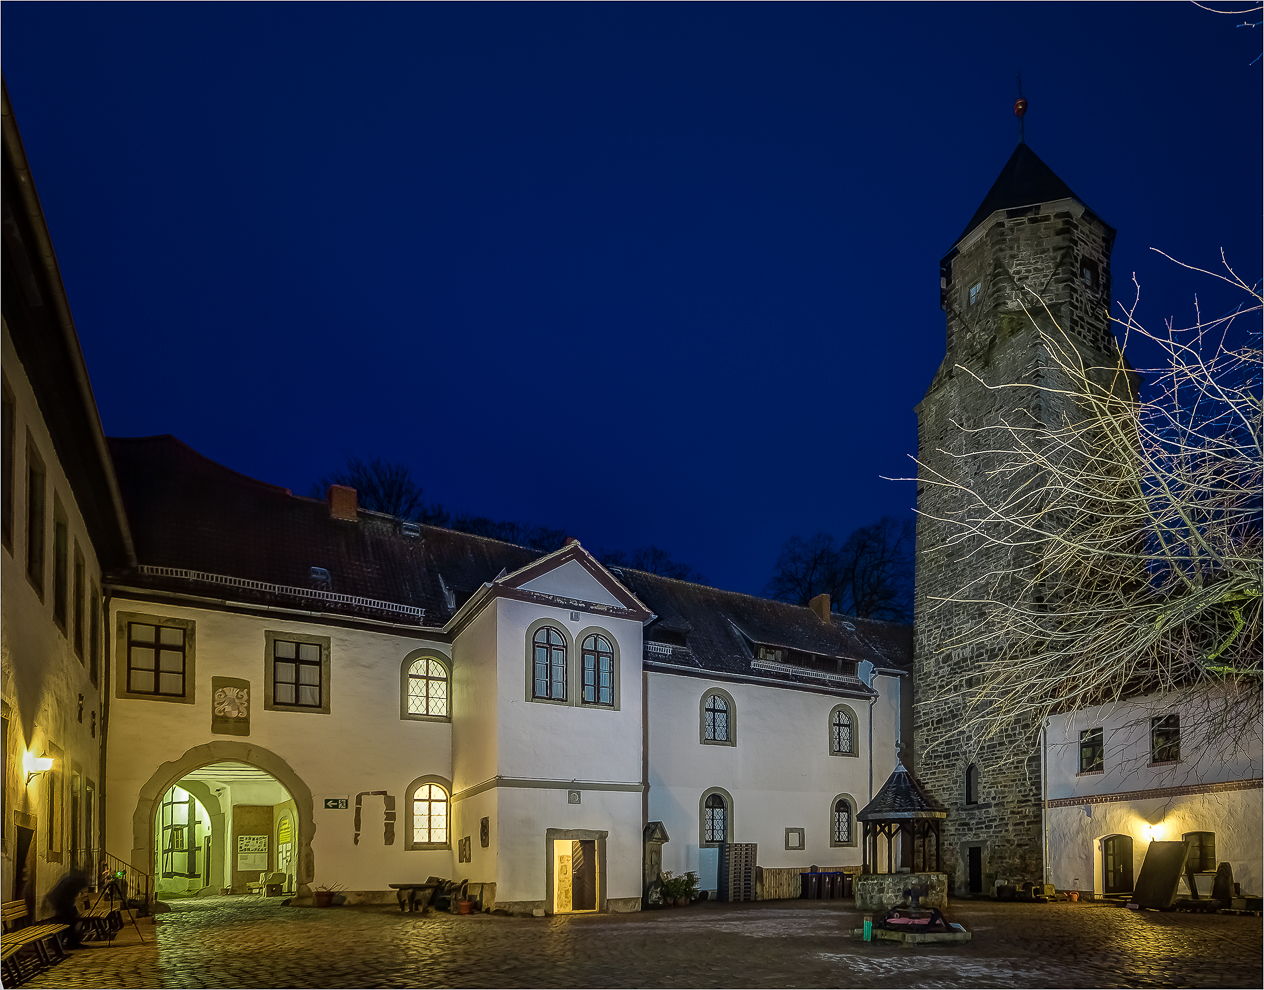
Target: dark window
{"points": [[1202, 851], [80, 592], [36, 508], [1165, 739], [427, 687], [841, 732], [548, 648], [1091, 751], [8, 426], [296, 674], [94, 634], [61, 550], [717, 817], [598, 659], [1088, 273], [972, 784], [842, 821], [716, 714], [155, 659]]}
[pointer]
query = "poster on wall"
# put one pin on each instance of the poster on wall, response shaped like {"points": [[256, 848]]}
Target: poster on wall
{"points": [[252, 852]]}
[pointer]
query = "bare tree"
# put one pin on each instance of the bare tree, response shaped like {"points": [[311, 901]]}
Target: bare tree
{"points": [[868, 575], [1131, 530], [383, 486], [652, 559], [540, 538]]}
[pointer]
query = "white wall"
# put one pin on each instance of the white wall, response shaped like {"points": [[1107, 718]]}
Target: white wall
{"points": [[362, 745], [781, 774], [475, 684], [41, 678]]}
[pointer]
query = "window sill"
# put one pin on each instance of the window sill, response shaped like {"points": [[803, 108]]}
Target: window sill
{"points": [[1163, 763], [718, 742], [427, 846], [410, 717], [854, 756], [1090, 773], [171, 699], [302, 709]]}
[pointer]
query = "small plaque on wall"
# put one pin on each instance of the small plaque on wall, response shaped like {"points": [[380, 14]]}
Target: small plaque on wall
{"points": [[230, 706], [252, 852]]}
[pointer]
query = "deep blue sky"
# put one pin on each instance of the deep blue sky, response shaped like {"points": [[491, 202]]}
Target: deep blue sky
{"points": [[650, 273]]}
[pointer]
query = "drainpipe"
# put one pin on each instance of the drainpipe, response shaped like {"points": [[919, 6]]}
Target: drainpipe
{"points": [[1044, 795], [873, 676]]}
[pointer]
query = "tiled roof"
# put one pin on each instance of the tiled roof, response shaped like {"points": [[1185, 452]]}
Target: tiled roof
{"points": [[722, 631], [191, 513], [1024, 181], [901, 797]]}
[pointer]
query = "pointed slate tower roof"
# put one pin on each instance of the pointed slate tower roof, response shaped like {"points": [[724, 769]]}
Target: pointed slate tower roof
{"points": [[901, 797], [1024, 181]]}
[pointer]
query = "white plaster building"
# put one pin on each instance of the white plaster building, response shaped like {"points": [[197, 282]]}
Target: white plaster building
{"points": [[1121, 776], [429, 703]]}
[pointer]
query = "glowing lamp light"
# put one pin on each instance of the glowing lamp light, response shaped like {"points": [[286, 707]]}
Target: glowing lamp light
{"points": [[36, 765], [1154, 832]]}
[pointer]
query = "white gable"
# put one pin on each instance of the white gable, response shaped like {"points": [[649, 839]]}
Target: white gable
{"points": [[571, 580]]}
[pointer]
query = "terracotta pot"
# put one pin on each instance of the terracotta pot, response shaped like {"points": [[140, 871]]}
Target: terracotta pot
{"points": [[464, 907], [323, 898], [682, 902]]}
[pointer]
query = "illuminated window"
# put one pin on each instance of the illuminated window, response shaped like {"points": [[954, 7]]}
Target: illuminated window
{"points": [[548, 648], [427, 687], [1165, 739], [155, 659], [598, 661], [1091, 751], [976, 291], [427, 811]]}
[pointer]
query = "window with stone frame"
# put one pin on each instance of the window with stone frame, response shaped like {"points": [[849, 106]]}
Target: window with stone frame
{"points": [[156, 659], [843, 735], [548, 652], [296, 674], [844, 823], [61, 563], [1091, 751], [428, 809], [598, 670], [715, 719], [972, 784], [1165, 739], [715, 825], [36, 507], [428, 687], [976, 293]]}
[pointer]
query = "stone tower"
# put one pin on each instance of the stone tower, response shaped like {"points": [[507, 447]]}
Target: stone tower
{"points": [[1031, 232]]}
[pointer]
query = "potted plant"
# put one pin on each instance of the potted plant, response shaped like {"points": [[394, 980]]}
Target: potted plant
{"points": [[679, 891], [323, 895]]}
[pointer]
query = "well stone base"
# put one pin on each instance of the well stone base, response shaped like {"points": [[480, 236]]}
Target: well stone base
{"points": [[883, 891], [914, 938]]}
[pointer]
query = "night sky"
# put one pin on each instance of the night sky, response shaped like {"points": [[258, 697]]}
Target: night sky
{"points": [[648, 273]]}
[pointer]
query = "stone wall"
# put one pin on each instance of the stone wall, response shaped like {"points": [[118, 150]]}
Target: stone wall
{"points": [[1042, 249], [883, 891]]}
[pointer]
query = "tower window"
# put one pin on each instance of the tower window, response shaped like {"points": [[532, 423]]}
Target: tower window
{"points": [[1088, 273], [972, 784], [976, 292]]}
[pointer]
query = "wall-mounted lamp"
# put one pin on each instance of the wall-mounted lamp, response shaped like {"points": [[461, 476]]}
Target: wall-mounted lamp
{"points": [[36, 765], [1154, 832]]}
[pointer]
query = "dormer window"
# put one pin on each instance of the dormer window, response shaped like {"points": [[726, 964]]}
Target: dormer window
{"points": [[768, 653], [976, 293]]}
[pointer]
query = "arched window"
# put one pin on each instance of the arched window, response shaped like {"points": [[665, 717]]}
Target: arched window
{"points": [[843, 734], [972, 784], [715, 826], [841, 834], [548, 649], [427, 814], [427, 687], [598, 659], [718, 718]]}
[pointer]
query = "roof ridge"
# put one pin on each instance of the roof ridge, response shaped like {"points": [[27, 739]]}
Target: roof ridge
{"points": [[172, 438]]}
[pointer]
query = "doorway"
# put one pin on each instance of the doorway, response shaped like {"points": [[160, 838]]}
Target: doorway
{"points": [[576, 876], [975, 864], [1117, 864]]}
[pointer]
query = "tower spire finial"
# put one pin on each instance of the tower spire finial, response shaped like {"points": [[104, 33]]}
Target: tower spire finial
{"points": [[1020, 108]]}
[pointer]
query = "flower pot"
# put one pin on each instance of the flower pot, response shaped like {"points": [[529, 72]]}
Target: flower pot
{"points": [[682, 902], [464, 907], [323, 898]]}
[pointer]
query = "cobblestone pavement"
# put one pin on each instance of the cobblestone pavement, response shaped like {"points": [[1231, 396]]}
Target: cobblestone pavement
{"points": [[249, 943]]}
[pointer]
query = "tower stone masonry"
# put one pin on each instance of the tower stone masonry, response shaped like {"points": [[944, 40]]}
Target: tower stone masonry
{"points": [[1032, 243]]}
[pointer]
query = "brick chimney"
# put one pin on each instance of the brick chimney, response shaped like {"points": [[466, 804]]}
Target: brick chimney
{"points": [[342, 502], [821, 606]]}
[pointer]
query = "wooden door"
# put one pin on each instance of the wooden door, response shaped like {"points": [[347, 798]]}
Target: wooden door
{"points": [[583, 875], [1117, 864]]}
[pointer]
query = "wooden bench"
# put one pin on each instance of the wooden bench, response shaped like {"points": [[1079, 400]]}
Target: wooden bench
{"points": [[18, 967], [413, 896]]}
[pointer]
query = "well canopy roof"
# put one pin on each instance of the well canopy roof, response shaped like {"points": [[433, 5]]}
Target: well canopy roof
{"points": [[901, 797]]}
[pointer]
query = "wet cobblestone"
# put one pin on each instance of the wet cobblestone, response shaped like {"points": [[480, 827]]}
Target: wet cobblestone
{"points": [[780, 943]]}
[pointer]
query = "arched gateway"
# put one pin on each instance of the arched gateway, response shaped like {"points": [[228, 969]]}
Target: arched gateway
{"points": [[150, 800]]}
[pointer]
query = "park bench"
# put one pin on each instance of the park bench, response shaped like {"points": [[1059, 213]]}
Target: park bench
{"points": [[42, 939], [414, 896]]}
